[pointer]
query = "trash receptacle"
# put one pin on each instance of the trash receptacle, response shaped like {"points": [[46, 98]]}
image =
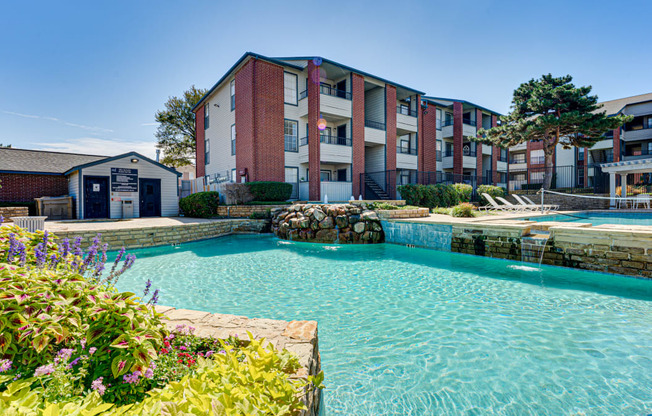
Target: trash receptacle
{"points": [[127, 208]]}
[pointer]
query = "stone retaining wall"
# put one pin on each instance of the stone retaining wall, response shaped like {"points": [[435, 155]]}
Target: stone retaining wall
{"points": [[500, 240], [298, 337], [244, 211], [8, 212], [570, 202], [167, 235], [333, 223], [388, 214]]}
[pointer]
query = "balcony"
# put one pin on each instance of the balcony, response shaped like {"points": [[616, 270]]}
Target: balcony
{"points": [[406, 150], [374, 132], [332, 149], [639, 134], [643, 152], [438, 155], [374, 125], [406, 120], [469, 160], [325, 138], [333, 102]]}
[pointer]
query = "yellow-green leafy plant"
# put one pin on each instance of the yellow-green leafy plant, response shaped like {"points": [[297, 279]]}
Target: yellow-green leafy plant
{"points": [[464, 209]]}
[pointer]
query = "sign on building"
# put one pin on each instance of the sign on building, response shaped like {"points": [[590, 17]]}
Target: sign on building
{"points": [[124, 180]]}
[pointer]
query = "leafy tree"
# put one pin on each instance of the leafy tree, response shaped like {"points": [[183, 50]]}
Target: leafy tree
{"points": [[5, 145], [552, 110], [176, 130]]}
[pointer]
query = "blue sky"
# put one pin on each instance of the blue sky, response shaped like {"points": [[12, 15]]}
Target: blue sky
{"points": [[89, 76]]}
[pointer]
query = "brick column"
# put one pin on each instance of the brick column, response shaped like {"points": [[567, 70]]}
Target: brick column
{"points": [[495, 154], [478, 148], [616, 145], [428, 136], [200, 165], [458, 139], [357, 133], [390, 127], [313, 132]]}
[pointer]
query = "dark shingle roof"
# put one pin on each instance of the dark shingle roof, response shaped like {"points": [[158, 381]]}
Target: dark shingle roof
{"points": [[39, 161], [612, 107]]}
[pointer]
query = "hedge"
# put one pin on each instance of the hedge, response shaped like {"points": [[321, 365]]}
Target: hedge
{"points": [[200, 204], [270, 191], [493, 191], [464, 191], [430, 196]]}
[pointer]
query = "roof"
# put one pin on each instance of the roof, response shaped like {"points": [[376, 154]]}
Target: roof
{"points": [[40, 161], [628, 166], [284, 62], [616, 106], [128, 154], [441, 100]]}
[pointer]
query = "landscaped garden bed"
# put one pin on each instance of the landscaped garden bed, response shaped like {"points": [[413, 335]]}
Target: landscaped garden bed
{"points": [[71, 343]]}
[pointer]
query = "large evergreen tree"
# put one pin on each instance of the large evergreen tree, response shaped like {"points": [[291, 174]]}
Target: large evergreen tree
{"points": [[176, 130], [554, 111]]}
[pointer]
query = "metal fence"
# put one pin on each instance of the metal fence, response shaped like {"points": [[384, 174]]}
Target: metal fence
{"points": [[572, 179]]}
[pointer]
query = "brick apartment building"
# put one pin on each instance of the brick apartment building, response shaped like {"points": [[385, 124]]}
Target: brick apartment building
{"points": [[333, 130]]}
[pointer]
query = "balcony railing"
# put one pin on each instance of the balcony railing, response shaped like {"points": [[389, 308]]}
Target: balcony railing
{"points": [[515, 160], [502, 158], [470, 152], [643, 151], [406, 150], [447, 123], [374, 125], [468, 122], [327, 139], [334, 92], [406, 111], [448, 153]]}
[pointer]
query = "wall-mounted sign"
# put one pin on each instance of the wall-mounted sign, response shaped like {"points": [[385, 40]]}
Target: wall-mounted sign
{"points": [[96, 187], [124, 180]]}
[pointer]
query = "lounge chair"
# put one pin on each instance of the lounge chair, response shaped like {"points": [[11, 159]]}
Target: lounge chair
{"points": [[517, 208], [643, 199], [546, 207], [494, 206]]}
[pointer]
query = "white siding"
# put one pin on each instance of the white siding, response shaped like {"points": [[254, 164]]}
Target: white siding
{"points": [[374, 159], [638, 109], [374, 105], [219, 130], [565, 157], [146, 170], [73, 190]]}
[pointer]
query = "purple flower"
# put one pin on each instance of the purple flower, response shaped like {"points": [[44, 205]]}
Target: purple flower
{"points": [[131, 378], [64, 248], [40, 251], [44, 370], [92, 350], [2, 219], [5, 365], [13, 247], [63, 355], [77, 251], [147, 286], [82, 343], [74, 362], [97, 386], [23, 254], [149, 373], [154, 300]]}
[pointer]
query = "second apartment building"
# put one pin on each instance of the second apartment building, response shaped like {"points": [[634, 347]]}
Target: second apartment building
{"points": [[330, 129]]}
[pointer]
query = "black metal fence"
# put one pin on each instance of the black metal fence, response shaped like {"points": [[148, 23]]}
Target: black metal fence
{"points": [[572, 179]]}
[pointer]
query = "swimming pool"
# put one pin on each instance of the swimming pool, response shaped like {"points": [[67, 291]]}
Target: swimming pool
{"points": [[419, 332], [600, 217]]}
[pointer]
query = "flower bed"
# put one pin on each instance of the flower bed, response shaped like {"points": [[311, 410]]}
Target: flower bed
{"points": [[72, 344]]}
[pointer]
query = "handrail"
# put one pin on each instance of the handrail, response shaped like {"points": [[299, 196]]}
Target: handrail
{"points": [[469, 122], [334, 92], [328, 139], [447, 123], [405, 111], [303, 94], [374, 125], [406, 150]]}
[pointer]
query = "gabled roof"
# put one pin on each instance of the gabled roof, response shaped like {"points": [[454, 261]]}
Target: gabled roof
{"points": [[41, 161], [129, 154], [446, 102], [284, 62], [613, 107]]}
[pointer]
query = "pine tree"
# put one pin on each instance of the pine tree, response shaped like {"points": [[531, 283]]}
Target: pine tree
{"points": [[552, 110]]}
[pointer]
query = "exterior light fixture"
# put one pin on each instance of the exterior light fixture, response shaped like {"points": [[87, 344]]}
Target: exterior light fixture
{"points": [[134, 160]]}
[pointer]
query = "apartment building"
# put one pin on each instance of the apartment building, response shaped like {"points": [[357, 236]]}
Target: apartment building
{"points": [[336, 131], [580, 167]]}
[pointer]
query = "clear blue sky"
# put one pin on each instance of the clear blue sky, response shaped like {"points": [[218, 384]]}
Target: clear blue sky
{"points": [[88, 76]]}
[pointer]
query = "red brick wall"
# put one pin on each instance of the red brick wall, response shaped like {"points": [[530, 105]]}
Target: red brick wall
{"points": [[24, 188], [314, 147], [357, 131], [428, 140], [390, 126], [458, 139], [259, 117], [478, 161], [200, 169], [495, 154], [616, 145]]}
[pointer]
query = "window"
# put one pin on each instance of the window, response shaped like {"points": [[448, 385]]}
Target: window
{"points": [[207, 151], [206, 118], [292, 176], [291, 136], [537, 157], [325, 175], [520, 177], [232, 95], [404, 109], [438, 152], [536, 177], [233, 140], [438, 119], [449, 119], [290, 82], [232, 175], [580, 154], [649, 122]]}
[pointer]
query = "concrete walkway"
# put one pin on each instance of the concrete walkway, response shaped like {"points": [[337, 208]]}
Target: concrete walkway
{"points": [[91, 225]]}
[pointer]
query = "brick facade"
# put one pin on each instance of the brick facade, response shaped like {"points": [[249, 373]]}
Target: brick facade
{"points": [[357, 132], [259, 114], [199, 142], [314, 146], [458, 139], [390, 126], [26, 187], [478, 162], [428, 139], [616, 145], [495, 154]]}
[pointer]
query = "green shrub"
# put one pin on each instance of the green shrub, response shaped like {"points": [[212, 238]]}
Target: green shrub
{"points": [[270, 191], [430, 196], [464, 209], [257, 215], [200, 204], [493, 192], [464, 191]]}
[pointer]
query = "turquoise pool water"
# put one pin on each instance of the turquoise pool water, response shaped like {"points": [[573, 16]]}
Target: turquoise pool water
{"points": [[599, 218], [420, 332]]}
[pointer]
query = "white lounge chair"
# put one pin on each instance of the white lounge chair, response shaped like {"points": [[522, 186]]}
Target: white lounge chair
{"points": [[528, 203], [495, 206], [643, 199], [517, 208]]}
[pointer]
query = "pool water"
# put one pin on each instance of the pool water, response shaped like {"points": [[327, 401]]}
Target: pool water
{"points": [[599, 218], [405, 331]]}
